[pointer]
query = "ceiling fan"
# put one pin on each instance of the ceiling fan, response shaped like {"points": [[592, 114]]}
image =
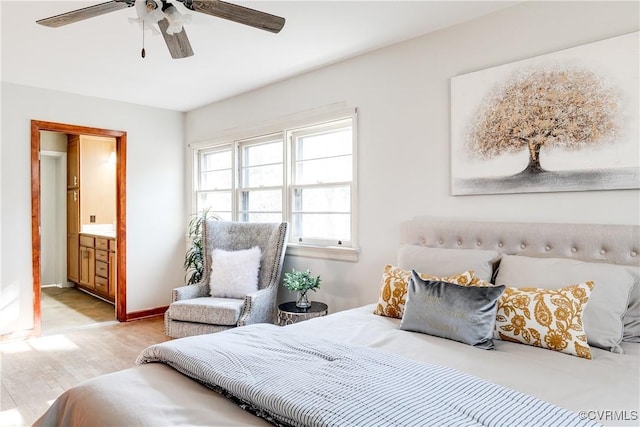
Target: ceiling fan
{"points": [[170, 21]]}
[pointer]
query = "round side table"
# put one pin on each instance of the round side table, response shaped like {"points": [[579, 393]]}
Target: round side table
{"points": [[288, 313]]}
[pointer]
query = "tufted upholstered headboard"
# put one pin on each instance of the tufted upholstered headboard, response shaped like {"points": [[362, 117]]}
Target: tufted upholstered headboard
{"points": [[615, 244]]}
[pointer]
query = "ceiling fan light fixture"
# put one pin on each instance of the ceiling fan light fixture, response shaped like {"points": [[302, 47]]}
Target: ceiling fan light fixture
{"points": [[151, 5], [150, 12], [147, 13], [176, 19]]}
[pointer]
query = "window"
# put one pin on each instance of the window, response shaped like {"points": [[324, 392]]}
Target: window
{"points": [[304, 174], [322, 175], [261, 183], [215, 183]]}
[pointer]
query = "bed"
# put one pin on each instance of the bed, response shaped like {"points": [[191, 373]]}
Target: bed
{"points": [[543, 386]]}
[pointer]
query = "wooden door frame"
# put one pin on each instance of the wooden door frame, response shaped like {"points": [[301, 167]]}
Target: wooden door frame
{"points": [[121, 206]]}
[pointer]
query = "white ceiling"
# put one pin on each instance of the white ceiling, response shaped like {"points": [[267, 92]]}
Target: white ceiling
{"points": [[100, 56]]}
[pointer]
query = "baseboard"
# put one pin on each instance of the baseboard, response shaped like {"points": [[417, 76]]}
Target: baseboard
{"points": [[146, 314], [59, 285]]}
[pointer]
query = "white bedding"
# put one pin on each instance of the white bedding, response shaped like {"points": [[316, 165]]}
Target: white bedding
{"points": [[296, 379], [607, 387]]}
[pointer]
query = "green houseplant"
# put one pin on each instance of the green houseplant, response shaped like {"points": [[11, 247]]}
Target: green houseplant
{"points": [[301, 282], [194, 258]]}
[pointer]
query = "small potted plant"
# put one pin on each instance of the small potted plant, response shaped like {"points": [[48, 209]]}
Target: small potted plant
{"points": [[301, 282]]}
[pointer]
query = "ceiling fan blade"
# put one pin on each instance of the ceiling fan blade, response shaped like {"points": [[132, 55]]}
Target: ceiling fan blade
{"points": [[236, 13], [178, 43], [85, 13]]}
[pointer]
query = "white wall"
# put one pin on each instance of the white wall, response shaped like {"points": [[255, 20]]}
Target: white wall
{"points": [[155, 198], [53, 199], [402, 93], [53, 220], [53, 141]]}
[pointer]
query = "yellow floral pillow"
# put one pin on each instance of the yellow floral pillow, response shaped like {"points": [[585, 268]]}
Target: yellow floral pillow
{"points": [[393, 292], [475, 281], [547, 318]]}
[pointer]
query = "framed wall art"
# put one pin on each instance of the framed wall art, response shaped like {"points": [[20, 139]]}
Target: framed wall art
{"points": [[564, 121]]}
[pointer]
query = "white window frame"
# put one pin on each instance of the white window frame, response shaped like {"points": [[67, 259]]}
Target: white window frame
{"points": [[292, 136], [240, 186], [196, 186], [348, 251]]}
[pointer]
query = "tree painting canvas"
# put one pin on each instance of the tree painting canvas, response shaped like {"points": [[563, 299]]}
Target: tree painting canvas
{"points": [[564, 121]]}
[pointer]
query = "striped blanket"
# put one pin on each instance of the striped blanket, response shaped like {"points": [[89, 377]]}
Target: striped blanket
{"points": [[295, 380]]}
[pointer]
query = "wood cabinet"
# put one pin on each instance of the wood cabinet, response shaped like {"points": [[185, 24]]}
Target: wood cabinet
{"points": [[98, 266], [73, 258], [73, 235], [91, 263], [73, 209], [73, 161], [112, 272], [73, 212], [87, 265]]}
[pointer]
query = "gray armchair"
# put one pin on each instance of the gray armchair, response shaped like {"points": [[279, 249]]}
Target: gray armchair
{"points": [[193, 311]]}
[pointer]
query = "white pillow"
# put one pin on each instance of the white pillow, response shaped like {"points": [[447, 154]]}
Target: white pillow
{"points": [[603, 316], [446, 262], [234, 274]]}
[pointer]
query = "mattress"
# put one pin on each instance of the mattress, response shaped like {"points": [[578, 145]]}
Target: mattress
{"points": [[605, 388]]}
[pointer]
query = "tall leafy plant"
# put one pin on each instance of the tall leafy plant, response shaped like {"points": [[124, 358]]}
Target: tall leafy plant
{"points": [[194, 258]]}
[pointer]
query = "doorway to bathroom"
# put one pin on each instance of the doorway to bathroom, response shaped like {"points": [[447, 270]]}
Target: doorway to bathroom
{"points": [[79, 264]]}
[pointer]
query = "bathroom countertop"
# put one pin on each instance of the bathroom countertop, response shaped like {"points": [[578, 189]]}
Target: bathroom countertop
{"points": [[107, 234], [99, 230]]}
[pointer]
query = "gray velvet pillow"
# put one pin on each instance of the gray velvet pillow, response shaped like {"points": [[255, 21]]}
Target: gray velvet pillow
{"points": [[461, 313]]}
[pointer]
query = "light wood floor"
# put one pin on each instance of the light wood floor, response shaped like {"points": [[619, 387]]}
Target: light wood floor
{"points": [[65, 308], [36, 371]]}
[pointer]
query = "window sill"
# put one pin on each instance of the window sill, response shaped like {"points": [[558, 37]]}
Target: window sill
{"points": [[324, 252]]}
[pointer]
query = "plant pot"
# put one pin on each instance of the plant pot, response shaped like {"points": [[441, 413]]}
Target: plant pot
{"points": [[302, 301]]}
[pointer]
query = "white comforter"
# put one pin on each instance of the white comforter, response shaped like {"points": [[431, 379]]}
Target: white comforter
{"points": [[606, 388]]}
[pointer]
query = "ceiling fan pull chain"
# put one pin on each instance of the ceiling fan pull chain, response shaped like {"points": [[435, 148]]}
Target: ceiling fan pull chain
{"points": [[143, 53]]}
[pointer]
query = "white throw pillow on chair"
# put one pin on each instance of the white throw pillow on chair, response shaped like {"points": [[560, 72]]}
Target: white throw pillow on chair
{"points": [[234, 274]]}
